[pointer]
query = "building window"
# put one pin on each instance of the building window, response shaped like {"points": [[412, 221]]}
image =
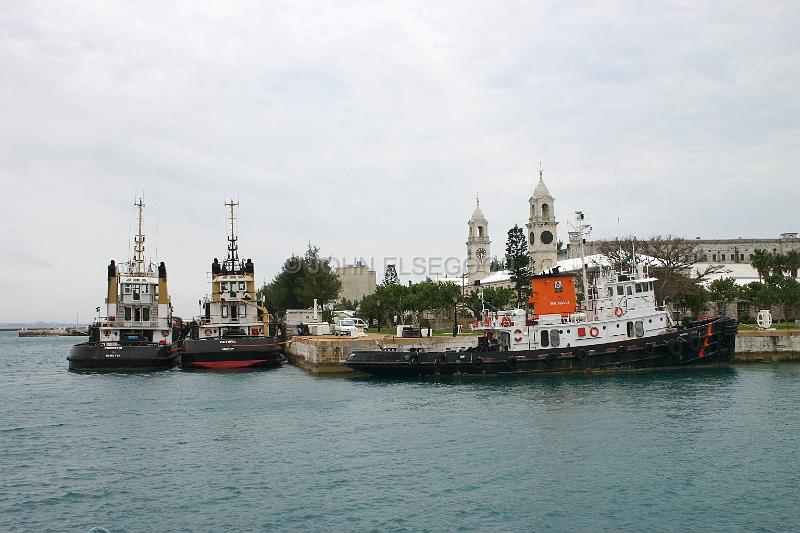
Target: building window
{"points": [[127, 313], [723, 257], [752, 257], [241, 285], [742, 310], [545, 211], [714, 257]]}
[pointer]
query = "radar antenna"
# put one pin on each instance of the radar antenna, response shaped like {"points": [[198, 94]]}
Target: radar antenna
{"points": [[138, 247], [233, 246]]}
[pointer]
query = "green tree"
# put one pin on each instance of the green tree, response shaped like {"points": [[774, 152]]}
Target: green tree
{"points": [[695, 300], [779, 265], [395, 301], [371, 308], [518, 263], [792, 262], [785, 293], [300, 281], [723, 292], [762, 262], [758, 295], [390, 276]]}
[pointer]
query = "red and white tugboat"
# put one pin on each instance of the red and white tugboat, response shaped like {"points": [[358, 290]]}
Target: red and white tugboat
{"points": [[234, 330], [137, 332], [621, 327]]}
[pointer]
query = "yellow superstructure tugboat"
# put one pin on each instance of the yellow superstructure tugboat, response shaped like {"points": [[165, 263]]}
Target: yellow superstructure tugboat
{"points": [[137, 332], [234, 330], [621, 327]]}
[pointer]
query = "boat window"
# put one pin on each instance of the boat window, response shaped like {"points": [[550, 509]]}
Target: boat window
{"points": [[137, 314], [241, 285], [224, 286], [630, 290], [609, 292], [233, 311], [631, 332], [558, 286], [136, 292], [242, 310], [146, 314], [145, 288], [545, 339], [651, 285], [639, 328], [126, 287], [638, 287], [555, 338], [224, 311], [620, 290], [127, 313]]}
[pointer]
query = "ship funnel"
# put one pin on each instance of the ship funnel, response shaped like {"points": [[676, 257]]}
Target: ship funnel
{"points": [[111, 299], [163, 295]]}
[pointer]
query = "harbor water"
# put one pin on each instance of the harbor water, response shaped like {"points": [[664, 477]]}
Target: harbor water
{"points": [[281, 450]]}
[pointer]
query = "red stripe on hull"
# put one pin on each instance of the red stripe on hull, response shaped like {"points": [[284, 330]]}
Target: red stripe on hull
{"points": [[222, 365]]}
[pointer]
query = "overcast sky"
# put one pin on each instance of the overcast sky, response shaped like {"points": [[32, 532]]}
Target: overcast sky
{"points": [[367, 128]]}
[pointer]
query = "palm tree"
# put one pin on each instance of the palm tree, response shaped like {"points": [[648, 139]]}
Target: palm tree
{"points": [[778, 265], [762, 262], [792, 262]]}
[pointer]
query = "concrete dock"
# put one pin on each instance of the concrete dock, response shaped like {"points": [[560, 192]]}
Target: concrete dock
{"points": [[327, 355]]}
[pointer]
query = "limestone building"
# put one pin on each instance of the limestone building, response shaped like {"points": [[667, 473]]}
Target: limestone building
{"points": [[357, 281]]}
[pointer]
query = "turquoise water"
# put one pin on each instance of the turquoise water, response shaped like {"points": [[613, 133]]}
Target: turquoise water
{"points": [[694, 450]]}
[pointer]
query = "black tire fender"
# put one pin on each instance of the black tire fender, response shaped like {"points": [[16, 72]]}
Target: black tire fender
{"points": [[414, 359], [477, 362], [675, 346]]}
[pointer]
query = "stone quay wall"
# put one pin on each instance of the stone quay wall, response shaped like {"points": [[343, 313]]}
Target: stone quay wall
{"points": [[767, 346]]}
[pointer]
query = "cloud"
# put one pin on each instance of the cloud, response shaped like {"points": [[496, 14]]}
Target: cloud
{"points": [[368, 128]]}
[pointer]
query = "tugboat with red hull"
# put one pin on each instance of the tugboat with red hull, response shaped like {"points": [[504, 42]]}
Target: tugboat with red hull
{"points": [[621, 327], [137, 332], [235, 329]]}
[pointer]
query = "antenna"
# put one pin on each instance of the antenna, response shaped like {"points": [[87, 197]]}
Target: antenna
{"points": [[540, 170], [233, 247], [138, 257]]}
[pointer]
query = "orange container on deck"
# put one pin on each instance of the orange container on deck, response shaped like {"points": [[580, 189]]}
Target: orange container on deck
{"points": [[553, 294]]}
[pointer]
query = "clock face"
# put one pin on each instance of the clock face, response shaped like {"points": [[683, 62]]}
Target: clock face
{"points": [[546, 237], [481, 253]]}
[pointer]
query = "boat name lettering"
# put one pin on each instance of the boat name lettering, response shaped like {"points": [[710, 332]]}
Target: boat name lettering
{"points": [[227, 342]]}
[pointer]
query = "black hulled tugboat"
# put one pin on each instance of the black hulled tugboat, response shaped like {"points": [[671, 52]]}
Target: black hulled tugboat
{"points": [[620, 328], [137, 332], [235, 330]]}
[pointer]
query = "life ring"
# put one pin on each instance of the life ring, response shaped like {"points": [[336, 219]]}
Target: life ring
{"points": [[594, 331], [208, 332], [618, 312], [478, 362], [517, 335], [506, 322], [674, 346]]}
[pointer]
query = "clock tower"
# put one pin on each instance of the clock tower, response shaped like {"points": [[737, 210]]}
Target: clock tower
{"points": [[542, 232], [478, 246]]}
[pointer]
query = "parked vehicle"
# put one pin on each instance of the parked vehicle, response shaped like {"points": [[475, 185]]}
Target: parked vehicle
{"points": [[349, 327]]}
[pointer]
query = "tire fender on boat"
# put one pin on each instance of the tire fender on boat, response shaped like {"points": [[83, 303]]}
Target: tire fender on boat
{"points": [[414, 359], [675, 346], [580, 355], [693, 343], [477, 362]]}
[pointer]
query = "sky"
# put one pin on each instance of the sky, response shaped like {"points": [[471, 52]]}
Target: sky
{"points": [[368, 128]]}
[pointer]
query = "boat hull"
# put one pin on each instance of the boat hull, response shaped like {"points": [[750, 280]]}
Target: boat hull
{"points": [[230, 353], [107, 357], [703, 344]]}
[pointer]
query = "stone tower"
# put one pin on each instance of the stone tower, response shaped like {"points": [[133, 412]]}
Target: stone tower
{"points": [[542, 231], [478, 246]]}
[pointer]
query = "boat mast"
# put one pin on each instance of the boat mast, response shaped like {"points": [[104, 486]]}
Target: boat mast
{"points": [[138, 247], [583, 230], [233, 247]]}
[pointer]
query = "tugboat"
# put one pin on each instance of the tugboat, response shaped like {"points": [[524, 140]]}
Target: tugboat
{"points": [[137, 332], [235, 329], [621, 327]]}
